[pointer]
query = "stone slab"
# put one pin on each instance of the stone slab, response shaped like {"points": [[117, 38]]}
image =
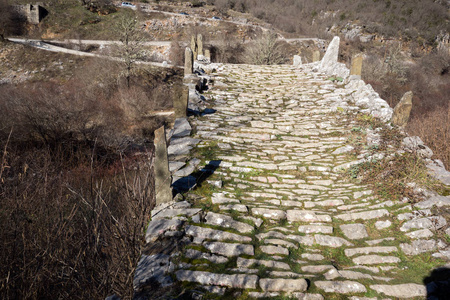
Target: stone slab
{"points": [[240, 281]]}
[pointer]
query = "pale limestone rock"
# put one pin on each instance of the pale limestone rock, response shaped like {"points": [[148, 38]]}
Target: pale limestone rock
{"points": [[229, 249], [333, 274], [331, 55], [309, 204], [407, 290], [341, 287], [269, 213], [415, 144], [297, 60], [418, 246], [383, 224], [283, 285], [240, 281], [432, 223], [247, 263], [172, 213], [420, 234], [306, 216], [354, 231], [375, 260], [331, 241], [315, 229], [343, 149], [366, 250], [227, 222], [438, 201], [274, 250], [195, 254], [311, 256], [365, 215], [237, 207], [205, 233], [280, 242]]}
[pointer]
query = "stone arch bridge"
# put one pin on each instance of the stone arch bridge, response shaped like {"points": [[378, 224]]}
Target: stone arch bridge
{"points": [[266, 209]]}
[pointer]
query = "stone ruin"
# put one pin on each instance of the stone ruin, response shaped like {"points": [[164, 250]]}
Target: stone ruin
{"points": [[34, 13]]}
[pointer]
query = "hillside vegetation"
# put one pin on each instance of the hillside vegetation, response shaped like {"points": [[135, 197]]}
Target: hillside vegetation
{"points": [[407, 19]]}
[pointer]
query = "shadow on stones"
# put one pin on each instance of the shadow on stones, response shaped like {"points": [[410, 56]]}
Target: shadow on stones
{"points": [[308, 282], [195, 179], [165, 245], [438, 284], [206, 111]]}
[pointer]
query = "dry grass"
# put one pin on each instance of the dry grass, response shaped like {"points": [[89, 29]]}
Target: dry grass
{"points": [[70, 231], [434, 129]]}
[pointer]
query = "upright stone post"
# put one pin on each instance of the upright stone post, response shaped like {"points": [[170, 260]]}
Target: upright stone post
{"points": [[188, 61], [402, 110], [194, 46], [357, 61], [297, 60], [316, 55], [200, 44], [331, 56], [208, 55], [163, 179], [180, 104]]}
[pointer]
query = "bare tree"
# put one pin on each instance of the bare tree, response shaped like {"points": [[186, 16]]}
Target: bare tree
{"points": [[265, 51], [130, 50]]}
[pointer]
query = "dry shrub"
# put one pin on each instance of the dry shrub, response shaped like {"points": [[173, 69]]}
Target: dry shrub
{"points": [[434, 129], [266, 50], [76, 182], [412, 20], [70, 231], [227, 51], [52, 114], [428, 79]]}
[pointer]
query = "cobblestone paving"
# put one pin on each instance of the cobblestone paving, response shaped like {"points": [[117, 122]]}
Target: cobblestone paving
{"points": [[285, 220]]}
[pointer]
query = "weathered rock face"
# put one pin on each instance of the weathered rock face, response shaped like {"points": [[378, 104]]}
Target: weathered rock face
{"points": [[402, 110], [163, 179]]}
